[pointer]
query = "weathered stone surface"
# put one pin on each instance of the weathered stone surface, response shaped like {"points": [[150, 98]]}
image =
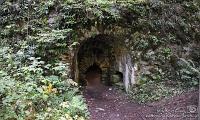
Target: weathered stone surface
{"points": [[107, 49]]}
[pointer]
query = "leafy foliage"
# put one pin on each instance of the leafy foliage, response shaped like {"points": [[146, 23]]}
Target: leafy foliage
{"points": [[152, 91], [26, 93]]}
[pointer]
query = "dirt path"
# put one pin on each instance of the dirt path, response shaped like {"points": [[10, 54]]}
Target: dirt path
{"points": [[110, 104]]}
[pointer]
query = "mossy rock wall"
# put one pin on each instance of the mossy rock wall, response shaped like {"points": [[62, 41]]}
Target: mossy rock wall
{"points": [[155, 33]]}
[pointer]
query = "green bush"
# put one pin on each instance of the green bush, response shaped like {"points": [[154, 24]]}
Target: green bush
{"points": [[151, 91], [26, 93], [188, 73]]}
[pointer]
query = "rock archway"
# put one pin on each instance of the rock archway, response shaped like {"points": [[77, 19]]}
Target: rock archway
{"points": [[109, 54], [96, 50]]}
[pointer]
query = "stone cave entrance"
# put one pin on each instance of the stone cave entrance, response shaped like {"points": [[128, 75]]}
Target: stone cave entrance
{"points": [[95, 61], [99, 59]]}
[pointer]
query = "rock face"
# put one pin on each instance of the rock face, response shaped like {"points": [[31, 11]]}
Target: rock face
{"points": [[105, 49], [112, 52]]}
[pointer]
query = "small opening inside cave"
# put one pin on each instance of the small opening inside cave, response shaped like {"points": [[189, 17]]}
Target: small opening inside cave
{"points": [[93, 75], [120, 76]]}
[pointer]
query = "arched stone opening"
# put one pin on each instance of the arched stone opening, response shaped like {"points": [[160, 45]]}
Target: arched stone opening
{"points": [[109, 55], [118, 77], [96, 50], [93, 76]]}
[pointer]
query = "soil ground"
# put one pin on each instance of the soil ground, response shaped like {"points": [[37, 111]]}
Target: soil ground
{"points": [[108, 103]]}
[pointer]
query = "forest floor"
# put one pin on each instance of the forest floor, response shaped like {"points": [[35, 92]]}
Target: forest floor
{"points": [[108, 103]]}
